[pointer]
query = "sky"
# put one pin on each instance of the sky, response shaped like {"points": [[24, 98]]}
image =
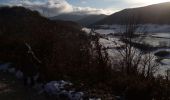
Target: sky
{"points": [[56, 7]]}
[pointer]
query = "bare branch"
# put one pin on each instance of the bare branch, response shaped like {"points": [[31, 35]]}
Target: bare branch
{"points": [[30, 51]]}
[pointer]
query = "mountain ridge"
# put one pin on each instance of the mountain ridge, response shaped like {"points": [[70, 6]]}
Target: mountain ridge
{"points": [[151, 14], [84, 20]]}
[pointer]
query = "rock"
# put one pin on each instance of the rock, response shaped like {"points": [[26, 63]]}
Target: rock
{"points": [[76, 96], [58, 89], [19, 74], [52, 88]]}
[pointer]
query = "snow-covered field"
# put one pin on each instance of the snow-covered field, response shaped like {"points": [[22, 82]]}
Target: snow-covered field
{"points": [[149, 28], [157, 41], [161, 35], [104, 31], [157, 36]]}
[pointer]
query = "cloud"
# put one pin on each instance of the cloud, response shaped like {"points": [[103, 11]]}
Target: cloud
{"points": [[89, 10], [139, 3], [55, 7], [83, 2]]}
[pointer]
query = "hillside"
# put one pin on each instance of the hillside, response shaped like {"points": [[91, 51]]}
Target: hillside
{"points": [[84, 20], [68, 17], [152, 14], [57, 43], [21, 20]]}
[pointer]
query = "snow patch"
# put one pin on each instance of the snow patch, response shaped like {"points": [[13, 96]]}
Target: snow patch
{"points": [[149, 28], [104, 31], [54, 87], [57, 88], [87, 30]]}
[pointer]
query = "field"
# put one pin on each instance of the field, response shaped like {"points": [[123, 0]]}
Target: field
{"points": [[156, 38]]}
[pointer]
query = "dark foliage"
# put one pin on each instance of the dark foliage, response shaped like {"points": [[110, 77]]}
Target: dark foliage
{"points": [[62, 49]]}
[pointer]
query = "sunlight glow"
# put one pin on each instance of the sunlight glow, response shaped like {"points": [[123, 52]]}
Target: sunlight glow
{"points": [[148, 2]]}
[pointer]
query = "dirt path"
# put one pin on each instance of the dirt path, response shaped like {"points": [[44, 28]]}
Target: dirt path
{"points": [[13, 89]]}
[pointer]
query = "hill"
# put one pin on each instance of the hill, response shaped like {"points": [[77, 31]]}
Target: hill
{"points": [[57, 44], [84, 20], [152, 14], [21, 20], [68, 17]]}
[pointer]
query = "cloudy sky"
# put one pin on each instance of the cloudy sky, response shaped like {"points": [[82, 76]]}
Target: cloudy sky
{"points": [[55, 7]]}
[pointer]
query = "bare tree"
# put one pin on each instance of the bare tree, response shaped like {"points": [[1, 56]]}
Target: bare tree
{"points": [[133, 60], [148, 65]]}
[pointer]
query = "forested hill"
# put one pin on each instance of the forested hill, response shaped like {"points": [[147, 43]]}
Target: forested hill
{"points": [[84, 20], [21, 20], [57, 44], [152, 14]]}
